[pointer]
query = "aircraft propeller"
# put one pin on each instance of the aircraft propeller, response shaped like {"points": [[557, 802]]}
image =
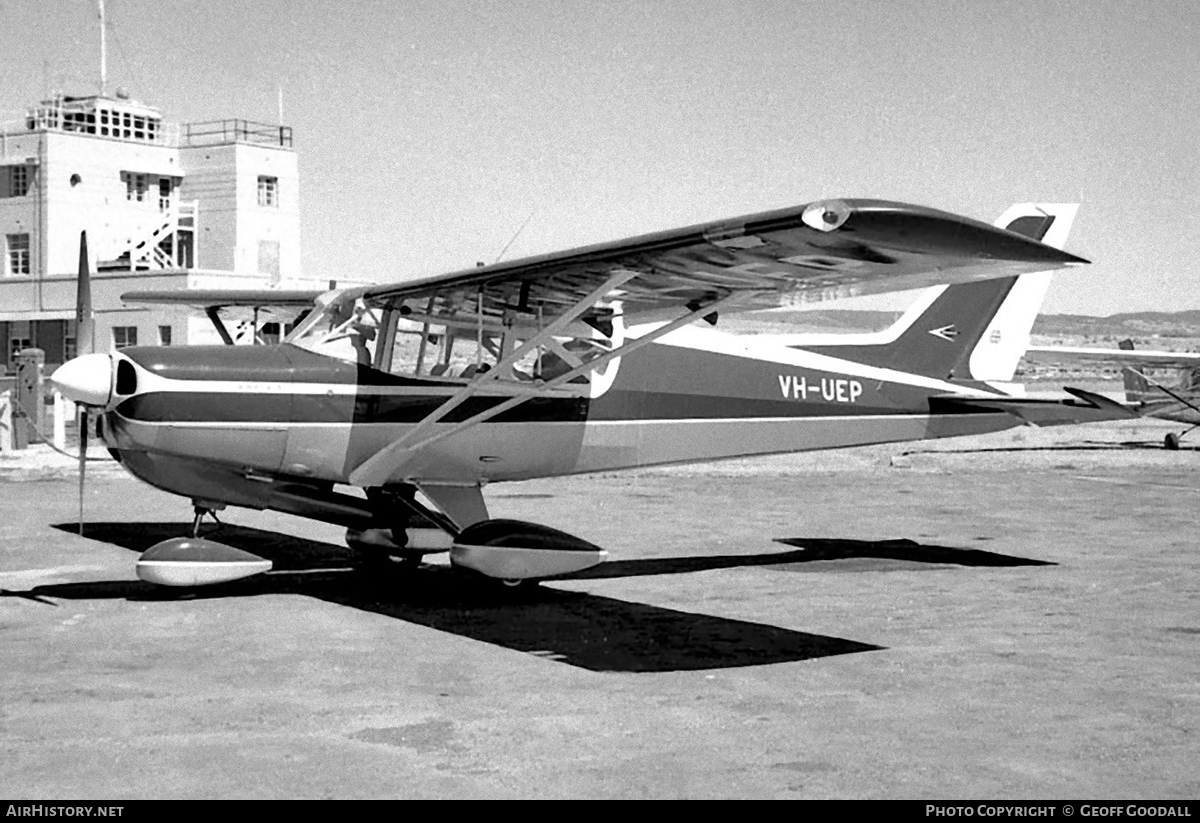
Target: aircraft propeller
{"points": [[83, 439], [85, 343]]}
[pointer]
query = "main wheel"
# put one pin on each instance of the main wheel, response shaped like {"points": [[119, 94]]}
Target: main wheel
{"points": [[1171, 442]]}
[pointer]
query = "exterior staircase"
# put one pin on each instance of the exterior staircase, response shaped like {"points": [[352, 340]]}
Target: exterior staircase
{"points": [[155, 250]]}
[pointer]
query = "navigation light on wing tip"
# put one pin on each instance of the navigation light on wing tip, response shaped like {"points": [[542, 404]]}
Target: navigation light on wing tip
{"points": [[826, 215]]}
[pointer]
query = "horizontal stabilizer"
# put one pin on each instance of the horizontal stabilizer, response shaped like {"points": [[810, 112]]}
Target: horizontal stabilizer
{"points": [[1100, 401], [1083, 407]]}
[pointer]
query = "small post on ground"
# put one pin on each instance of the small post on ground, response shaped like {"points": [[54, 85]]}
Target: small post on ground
{"points": [[60, 420], [6, 422], [30, 409]]}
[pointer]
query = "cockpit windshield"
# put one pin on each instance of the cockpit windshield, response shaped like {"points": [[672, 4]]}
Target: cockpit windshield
{"points": [[343, 328]]}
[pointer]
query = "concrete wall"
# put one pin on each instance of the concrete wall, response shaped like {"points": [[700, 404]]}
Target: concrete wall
{"points": [[224, 179]]}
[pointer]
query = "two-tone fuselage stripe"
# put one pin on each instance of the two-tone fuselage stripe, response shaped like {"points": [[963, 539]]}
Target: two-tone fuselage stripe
{"points": [[684, 376]]}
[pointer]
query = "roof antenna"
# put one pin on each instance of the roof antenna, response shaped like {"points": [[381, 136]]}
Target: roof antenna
{"points": [[103, 53], [513, 239]]}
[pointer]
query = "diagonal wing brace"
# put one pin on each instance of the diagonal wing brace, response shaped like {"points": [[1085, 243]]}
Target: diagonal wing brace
{"points": [[478, 382], [1171, 392], [380, 467]]}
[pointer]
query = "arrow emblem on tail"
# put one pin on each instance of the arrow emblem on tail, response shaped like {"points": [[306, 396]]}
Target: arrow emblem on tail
{"points": [[945, 332]]}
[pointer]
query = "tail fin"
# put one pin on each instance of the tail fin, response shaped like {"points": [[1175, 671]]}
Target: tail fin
{"points": [[1136, 385], [1007, 336], [970, 331]]}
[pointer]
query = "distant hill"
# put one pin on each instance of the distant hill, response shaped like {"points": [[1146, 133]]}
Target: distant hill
{"points": [[1129, 324]]}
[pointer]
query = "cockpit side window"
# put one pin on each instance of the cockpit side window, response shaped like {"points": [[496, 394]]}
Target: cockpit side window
{"points": [[453, 349]]}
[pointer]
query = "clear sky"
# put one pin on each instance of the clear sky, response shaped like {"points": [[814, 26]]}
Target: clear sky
{"points": [[429, 131]]}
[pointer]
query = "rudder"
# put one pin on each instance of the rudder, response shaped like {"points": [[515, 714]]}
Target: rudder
{"points": [[1136, 384]]}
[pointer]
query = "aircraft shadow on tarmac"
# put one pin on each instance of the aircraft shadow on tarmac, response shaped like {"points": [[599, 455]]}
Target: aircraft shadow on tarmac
{"points": [[1083, 446], [585, 630], [851, 555]]}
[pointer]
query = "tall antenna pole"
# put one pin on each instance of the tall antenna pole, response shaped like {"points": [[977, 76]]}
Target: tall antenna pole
{"points": [[103, 52]]}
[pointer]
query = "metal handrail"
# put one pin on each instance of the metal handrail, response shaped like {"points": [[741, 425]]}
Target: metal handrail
{"points": [[212, 132]]}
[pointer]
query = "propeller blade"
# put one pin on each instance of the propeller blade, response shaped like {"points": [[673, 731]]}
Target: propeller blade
{"points": [[85, 324], [83, 440]]}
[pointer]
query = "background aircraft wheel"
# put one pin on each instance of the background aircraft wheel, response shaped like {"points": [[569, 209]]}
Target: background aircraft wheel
{"points": [[1171, 442]]}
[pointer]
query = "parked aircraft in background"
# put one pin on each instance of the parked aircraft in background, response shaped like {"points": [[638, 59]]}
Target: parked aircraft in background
{"points": [[419, 394], [1146, 395]]}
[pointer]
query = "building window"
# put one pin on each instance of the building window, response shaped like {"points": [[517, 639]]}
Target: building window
{"points": [[18, 181], [135, 186], [164, 335], [16, 260], [124, 336], [268, 191], [16, 345], [164, 194]]}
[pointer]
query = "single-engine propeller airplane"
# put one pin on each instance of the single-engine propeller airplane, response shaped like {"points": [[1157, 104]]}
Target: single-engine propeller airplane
{"points": [[1146, 395], [418, 394]]}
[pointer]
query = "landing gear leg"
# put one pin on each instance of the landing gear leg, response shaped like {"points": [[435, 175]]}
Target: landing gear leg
{"points": [[1173, 441], [200, 511]]}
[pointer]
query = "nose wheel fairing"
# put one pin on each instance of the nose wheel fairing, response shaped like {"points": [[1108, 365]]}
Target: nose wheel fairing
{"points": [[197, 561]]}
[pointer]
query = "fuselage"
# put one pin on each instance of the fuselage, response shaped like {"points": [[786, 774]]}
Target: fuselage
{"points": [[694, 395]]}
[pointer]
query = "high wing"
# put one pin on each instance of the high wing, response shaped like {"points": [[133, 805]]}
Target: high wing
{"points": [[1113, 357], [825, 250], [213, 300], [821, 251]]}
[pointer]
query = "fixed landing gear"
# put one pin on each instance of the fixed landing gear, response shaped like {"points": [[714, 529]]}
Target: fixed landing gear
{"points": [[379, 550], [199, 518], [198, 561], [1174, 440], [404, 531]]}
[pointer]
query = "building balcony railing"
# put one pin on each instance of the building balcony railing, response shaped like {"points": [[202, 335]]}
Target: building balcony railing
{"points": [[217, 132], [145, 130]]}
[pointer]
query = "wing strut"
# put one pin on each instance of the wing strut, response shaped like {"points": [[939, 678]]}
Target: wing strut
{"points": [[472, 388], [1173, 394], [379, 468], [214, 314]]}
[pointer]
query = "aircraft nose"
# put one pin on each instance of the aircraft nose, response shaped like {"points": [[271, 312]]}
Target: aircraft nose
{"points": [[86, 379]]}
